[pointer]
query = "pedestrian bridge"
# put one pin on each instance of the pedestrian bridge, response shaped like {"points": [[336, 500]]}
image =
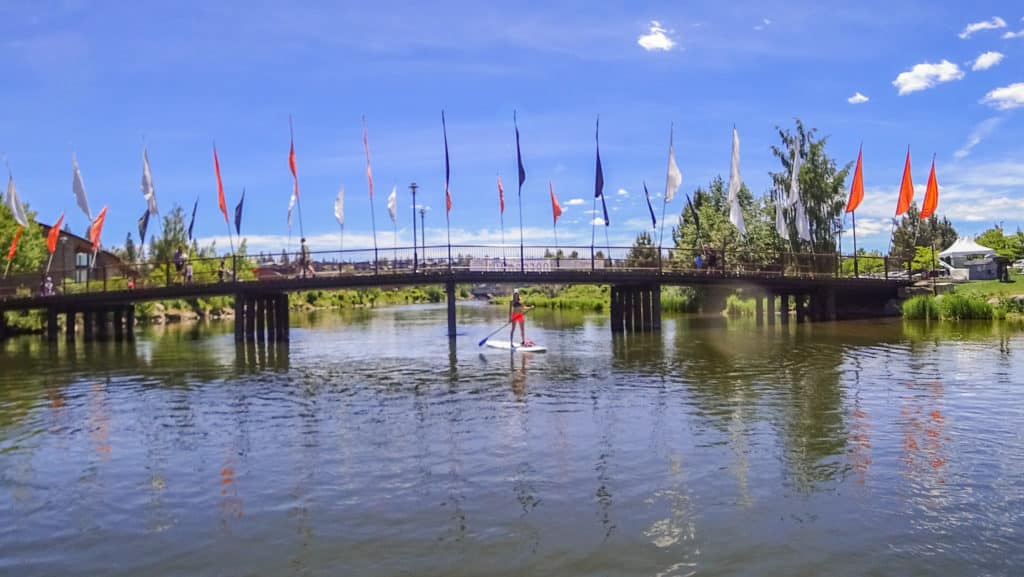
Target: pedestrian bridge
{"points": [[806, 286]]}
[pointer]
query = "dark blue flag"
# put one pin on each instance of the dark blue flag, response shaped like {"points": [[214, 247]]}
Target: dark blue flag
{"points": [[447, 171], [693, 211], [238, 214], [599, 177], [654, 221], [143, 225], [192, 222], [519, 155]]}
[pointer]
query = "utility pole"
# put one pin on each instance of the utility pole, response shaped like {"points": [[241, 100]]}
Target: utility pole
{"points": [[413, 186]]}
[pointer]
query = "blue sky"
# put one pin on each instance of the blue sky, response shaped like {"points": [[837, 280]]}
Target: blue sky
{"points": [[102, 79]]}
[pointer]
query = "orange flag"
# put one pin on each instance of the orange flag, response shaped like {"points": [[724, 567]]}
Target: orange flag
{"points": [[857, 189], [931, 195], [291, 163], [556, 209], [14, 243], [96, 229], [366, 147], [220, 187], [54, 234], [906, 188]]}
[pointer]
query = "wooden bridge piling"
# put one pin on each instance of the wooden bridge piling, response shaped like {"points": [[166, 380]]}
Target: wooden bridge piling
{"points": [[770, 313], [449, 289]]}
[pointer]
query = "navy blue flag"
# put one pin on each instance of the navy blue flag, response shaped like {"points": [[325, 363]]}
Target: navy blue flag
{"points": [[654, 221], [447, 192], [519, 155], [599, 177], [693, 211], [192, 222], [143, 225], [238, 214]]}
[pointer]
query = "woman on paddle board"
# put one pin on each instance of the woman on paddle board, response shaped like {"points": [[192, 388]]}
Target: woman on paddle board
{"points": [[516, 308]]}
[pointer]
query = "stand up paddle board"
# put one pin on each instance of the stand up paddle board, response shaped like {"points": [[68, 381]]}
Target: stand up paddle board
{"points": [[507, 345]]}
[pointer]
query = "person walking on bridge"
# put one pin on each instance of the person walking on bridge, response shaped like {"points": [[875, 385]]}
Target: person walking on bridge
{"points": [[516, 308], [305, 262]]}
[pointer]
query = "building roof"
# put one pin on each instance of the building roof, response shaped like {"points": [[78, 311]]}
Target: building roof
{"points": [[965, 246]]}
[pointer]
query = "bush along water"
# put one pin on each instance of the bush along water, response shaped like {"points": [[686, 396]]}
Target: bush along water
{"points": [[951, 307]]}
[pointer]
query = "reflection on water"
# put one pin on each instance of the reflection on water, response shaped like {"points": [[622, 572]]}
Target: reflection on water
{"points": [[371, 444]]}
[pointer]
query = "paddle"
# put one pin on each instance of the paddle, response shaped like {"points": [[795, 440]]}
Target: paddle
{"points": [[484, 340]]}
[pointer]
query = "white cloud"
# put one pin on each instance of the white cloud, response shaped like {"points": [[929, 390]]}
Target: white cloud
{"points": [[764, 22], [1012, 35], [1006, 98], [987, 60], [857, 98], [575, 202], [657, 39], [980, 132], [927, 75], [598, 221], [623, 192], [994, 24]]}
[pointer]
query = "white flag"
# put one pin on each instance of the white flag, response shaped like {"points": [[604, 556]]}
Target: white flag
{"points": [[674, 178], [780, 219], [803, 226], [735, 183], [794, 179], [291, 205], [147, 184], [339, 206], [79, 188], [392, 202], [14, 203]]}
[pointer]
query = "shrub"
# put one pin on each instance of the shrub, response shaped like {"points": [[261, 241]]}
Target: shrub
{"points": [[921, 307]]}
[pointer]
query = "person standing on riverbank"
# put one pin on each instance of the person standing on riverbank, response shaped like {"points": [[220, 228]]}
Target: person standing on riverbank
{"points": [[516, 308]]}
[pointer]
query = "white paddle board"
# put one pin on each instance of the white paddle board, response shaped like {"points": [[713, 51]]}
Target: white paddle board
{"points": [[507, 345]]}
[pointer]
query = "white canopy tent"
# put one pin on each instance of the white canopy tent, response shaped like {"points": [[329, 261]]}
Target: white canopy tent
{"points": [[965, 247], [969, 260]]}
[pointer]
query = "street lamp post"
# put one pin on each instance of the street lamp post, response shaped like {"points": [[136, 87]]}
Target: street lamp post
{"points": [[413, 186]]}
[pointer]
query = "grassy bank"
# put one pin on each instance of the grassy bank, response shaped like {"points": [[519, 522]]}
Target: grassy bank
{"points": [[952, 307]]}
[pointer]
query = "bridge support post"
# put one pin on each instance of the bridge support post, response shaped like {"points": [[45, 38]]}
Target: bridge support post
{"points": [[118, 321], [283, 334], [250, 318], [616, 310], [449, 289], [830, 305], [102, 329], [261, 318], [656, 308], [801, 311], [629, 298], [270, 308], [70, 318], [3, 325], [784, 308], [129, 322], [88, 326], [759, 309], [239, 318], [770, 313], [51, 324]]}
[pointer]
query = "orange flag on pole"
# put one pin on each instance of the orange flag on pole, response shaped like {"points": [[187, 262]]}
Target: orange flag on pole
{"points": [[931, 195], [220, 186], [54, 234], [291, 160], [857, 189], [556, 209], [906, 188], [14, 243], [96, 229]]}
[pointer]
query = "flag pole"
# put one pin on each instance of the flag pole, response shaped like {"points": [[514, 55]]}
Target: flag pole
{"points": [[519, 194], [853, 218], [664, 197], [369, 181], [501, 219]]}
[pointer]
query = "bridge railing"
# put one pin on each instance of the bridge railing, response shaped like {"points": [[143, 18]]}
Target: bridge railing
{"points": [[403, 260]]}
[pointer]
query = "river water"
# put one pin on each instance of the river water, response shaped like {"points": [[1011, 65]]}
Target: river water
{"points": [[368, 446]]}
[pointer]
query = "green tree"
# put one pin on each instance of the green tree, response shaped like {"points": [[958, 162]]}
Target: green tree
{"points": [[643, 252], [172, 235], [822, 186], [912, 232], [995, 239], [31, 254]]}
